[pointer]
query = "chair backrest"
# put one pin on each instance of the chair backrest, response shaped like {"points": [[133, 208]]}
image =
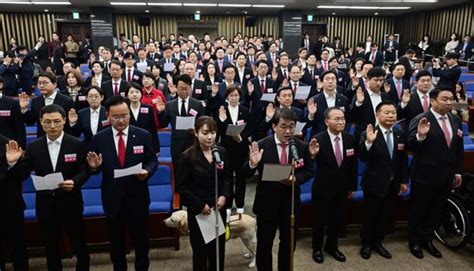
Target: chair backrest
{"points": [[165, 139], [162, 176], [94, 182]]}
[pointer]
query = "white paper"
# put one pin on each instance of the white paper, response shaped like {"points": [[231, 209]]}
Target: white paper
{"points": [[275, 172], [48, 182], [168, 67], [207, 225], [184, 123], [141, 66], [302, 92], [299, 127], [268, 97], [235, 130], [128, 171]]}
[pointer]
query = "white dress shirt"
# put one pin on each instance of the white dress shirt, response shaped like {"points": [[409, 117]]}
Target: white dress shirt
{"points": [[330, 98], [98, 79], [135, 111], [50, 100], [94, 120], [186, 105], [375, 98], [53, 148], [116, 137], [234, 113]]}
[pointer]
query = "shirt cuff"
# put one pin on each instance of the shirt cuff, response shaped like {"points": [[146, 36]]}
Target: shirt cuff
{"points": [[24, 110], [252, 167], [10, 165], [420, 138], [368, 145], [403, 105], [358, 104], [311, 118], [458, 175]]}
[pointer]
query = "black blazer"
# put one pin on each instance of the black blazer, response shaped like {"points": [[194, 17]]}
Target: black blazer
{"points": [[233, 147], [134, 191], [136, 76], [81, 98], [10, 83], [436, 165], [162, 65], [11, 200], [196, 180], [331, 180], [270, 195], [180, 139], [200, 91], [11, 122], [146, 121], [382, 173], [257, 107], [448, 76], [108, 89], [37, 159], [248, 75], [318, 125], [364, 114], [413, 109], [393, 90], [307, 76], [33, 114], [83, 125], [378, 58]]}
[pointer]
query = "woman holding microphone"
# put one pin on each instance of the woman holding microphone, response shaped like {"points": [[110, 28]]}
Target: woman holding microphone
{"points": [[196, 184]]}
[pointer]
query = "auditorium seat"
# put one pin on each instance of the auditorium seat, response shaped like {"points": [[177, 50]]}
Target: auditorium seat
{"points": [[31, 130], [91, 194], [85, 71], [466, 77], [306, 189], [359, 194], [161, 190], [29, 195], [464, 69], [165, 146], [406, 195]]}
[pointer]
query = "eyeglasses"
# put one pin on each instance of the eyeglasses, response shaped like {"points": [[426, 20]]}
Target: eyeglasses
{"points": [[117, 118], [43, 83], [93, 97], [55, 123]]}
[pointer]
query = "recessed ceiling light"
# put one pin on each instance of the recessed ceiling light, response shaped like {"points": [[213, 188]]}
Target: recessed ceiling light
{"points": [[334, 13], [235, 5], [198, 11], [199, 5], [361, 7], [268, 6], [127, 4], [51, 3], [165, 4], [46, 10], [376, 13], [147, 11], [15, 2]]}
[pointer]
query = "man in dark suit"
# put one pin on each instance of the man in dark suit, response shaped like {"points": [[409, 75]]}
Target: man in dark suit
{"points": [[8, 71], [335, 180], [281, 73], [311, 73], [198, 88], [220, 62], [365, 101], [465, 48], [396, 85], [272, 203], [390, 48], [183, 106], [361, 82], [49, 95], [318, 104], [11, 122], [107, 57], [125, 199], [152, 53], [56, 152], [142, 63], [26, 67], [385, 175], [417, 102], [272, 56], [117, 85], [12, 206], [449, 75], [242, 73], [294, 82], [98, 77], [131, 74], [307, 43], [374, 56], [167, 63], [434, 170]]}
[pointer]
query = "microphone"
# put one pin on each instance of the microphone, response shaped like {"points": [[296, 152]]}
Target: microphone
{"points": [[216, 154], [294, 152]]}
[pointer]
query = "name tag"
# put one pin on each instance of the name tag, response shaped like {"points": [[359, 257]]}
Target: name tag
{"points": [[350, 152], [160, 85], [5, 113], [135, 77], [137, 149], [198, 91], [240, 122], [70, 158], [299, 163], [316, 76], [193, 112], [460, 133], [401, 147], [105, 123], [81, 98], [247, 76], [144, 110], [270, 90]]}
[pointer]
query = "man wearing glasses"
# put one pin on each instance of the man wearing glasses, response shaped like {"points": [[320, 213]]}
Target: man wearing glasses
{"points": [[49, 95]]}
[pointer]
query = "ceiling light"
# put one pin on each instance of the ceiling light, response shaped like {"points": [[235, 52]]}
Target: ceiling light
{"points": [[51, 3], [165, 4], [15, 2], [245, 12], [127, 4], [394, 8], [147, 11], [46, 10], [235, 5], [361, 7], [199, 5], [334, 13], [376, 13], [268, 6]]}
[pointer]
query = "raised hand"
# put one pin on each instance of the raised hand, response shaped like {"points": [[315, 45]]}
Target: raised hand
{"points": [[457, 181], [160, 105], [312, 106], [206, 210], [250, 87], [220, 202], [67, 185], [274, 74], [403, 188], [386, 87], [214, 89], [270, 111], [406, 96], [24, 100], [313, 147], [360, 95], [169, 78], [355, 82], [172, 88], [222, 113], [423, 127], [285, 83], [93, 160], [94, 81], [13, 151], [72, 116], [255, 155], [352, 74], [371, 133]]}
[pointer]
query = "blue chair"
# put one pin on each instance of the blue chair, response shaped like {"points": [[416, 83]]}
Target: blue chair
{"points": [[306, 189], [160, 186], [91, 194], [165, 147], [359, 194], [466, 77], [29, 196], [85, 70], [406, 195]]}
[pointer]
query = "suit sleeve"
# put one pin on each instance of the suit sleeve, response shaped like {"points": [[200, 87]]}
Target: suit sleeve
{"points": [[151, 163], [183, 185], [23, 167], [305, 173], [164, 117], [363, 152], [404, 162], [83, 174], [460, 153], [412, 141], [20, 130], [354, 174]]}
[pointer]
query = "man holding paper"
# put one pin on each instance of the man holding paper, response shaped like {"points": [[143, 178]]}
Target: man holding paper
{"points": [[272, 203], [116, 151], [56, 207], [301, 94]]}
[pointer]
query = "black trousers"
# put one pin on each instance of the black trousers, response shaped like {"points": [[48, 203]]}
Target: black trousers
{"points": [[12, 235], [326, 216], [377, 213], [236, 162], [73, 225], [427, 204], [204, 255]]}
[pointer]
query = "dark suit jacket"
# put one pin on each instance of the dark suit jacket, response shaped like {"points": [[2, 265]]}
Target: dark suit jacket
{"points": [[331, 180], [318, 125], [37, 159], [8, 73], [219, 72], [162, 65], [154, 57], [11, 122], [199, 90], [83, 125], [109, 89], [364, 114], [81, 98], [307, 76], [393, 89], [146, 121], [448, 76], [382, 173], [248, 75], [413, 109], [378, 58], [265, 125], [136, 75], [134, 191], [233, 147], [390, 56], [180, 139], [436, 165], [33, 114], [468, 52], [11, 200], [257, 107], [270, 195]]}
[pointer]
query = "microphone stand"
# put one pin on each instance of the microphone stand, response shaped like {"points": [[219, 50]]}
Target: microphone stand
{"points": [[292, 217], [216, 198]]}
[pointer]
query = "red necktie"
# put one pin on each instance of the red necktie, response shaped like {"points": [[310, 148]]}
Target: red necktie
{"points": [[426, 106], [285, 75], [262, 86], [295, 86], [444, 126], [121, 150], [283, 155], [399, 89], [116, 90], [372, 59], [129, 76], [325, 66], [312, 74]]}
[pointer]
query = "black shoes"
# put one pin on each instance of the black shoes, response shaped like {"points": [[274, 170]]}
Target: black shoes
{"points": [[336, 254], [382, 251], [432, 250], [416, 251], [318, 256], [365, 252]]}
